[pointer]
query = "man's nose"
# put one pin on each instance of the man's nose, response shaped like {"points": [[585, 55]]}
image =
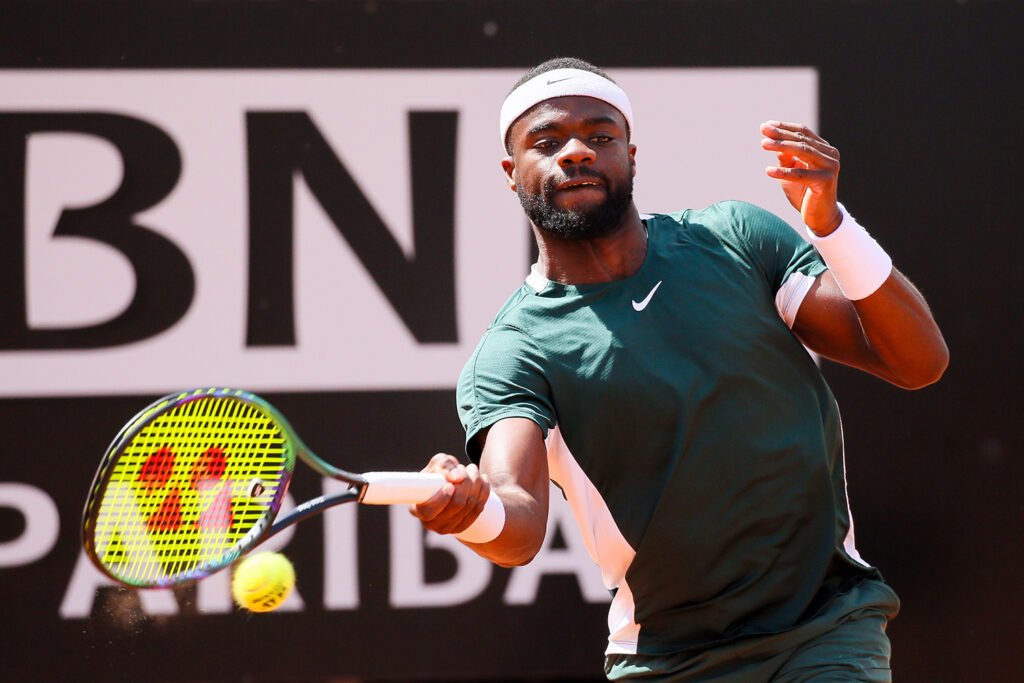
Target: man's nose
{"points": [[575, 152]]}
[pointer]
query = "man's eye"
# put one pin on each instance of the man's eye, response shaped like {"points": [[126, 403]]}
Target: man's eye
{"points": [[546, 144], [602, 139]]}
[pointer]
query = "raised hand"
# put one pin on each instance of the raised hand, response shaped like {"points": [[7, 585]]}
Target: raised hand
{"points": [[808, 168]]}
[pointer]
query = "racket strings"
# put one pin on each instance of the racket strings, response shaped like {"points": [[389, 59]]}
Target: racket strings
{"points": [[189, 488]]}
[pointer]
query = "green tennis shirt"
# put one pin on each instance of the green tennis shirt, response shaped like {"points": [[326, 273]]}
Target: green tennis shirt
{"points": [[697, 441]]}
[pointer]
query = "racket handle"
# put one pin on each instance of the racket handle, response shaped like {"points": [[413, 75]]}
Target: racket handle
{"points": [[389, 488]]}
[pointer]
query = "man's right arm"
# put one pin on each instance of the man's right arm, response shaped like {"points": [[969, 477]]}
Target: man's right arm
{"points": [[513, 466]]}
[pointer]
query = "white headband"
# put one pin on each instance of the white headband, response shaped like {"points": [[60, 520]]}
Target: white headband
{"points": [[562, 83]]}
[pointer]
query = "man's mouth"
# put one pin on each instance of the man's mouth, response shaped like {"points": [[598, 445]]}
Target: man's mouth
{"points": [[577, 184]]}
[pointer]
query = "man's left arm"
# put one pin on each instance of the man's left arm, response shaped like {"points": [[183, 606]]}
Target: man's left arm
{"points": [[890, 333], [862, 312]]}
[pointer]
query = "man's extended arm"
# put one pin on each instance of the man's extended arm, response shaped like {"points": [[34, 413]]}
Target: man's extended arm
{"points": [[513, 466]]}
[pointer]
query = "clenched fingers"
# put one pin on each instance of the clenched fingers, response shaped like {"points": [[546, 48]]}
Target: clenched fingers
{"points": [[458, 503]]}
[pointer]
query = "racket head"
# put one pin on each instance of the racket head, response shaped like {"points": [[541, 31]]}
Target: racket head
{"points": [[187, 486]]}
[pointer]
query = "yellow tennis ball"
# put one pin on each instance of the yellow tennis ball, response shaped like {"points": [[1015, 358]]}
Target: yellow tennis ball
{"points": [[262, 581]]}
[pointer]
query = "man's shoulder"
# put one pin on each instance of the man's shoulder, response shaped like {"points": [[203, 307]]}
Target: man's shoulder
{"points": [[513, 307], [511, 325], [732, 221], [722, 213], [508, 339]]}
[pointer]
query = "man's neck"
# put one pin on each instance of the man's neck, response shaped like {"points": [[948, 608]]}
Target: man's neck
{"points": [[600, 259]]}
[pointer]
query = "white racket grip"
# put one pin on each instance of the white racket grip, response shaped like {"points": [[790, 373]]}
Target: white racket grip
{"points": [[390, 488]]}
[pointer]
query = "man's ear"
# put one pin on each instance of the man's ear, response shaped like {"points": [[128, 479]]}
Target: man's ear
{"points": [[508, 164], [632, 159]]}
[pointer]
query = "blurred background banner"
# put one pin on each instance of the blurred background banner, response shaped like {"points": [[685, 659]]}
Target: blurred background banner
{"points": [[301, 235], [304, 200]]}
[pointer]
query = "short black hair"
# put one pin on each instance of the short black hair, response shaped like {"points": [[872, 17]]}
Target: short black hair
{"points": [[560, 63], [551, 65]]}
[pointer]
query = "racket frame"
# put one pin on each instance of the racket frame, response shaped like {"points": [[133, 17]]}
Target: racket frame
{"points": [[262, 530], [374, 488]]}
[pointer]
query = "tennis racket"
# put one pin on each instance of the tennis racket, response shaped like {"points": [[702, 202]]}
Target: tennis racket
{"points": [[196, 480]]}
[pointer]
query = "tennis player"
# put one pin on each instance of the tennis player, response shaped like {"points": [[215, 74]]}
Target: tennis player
{"points": [[653, 366]]}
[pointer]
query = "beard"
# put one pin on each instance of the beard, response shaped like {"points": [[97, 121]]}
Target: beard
{"points": [[599, 220]]}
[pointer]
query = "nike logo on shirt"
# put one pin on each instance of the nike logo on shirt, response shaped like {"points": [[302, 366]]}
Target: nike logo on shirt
{"points": [[641, 305]]}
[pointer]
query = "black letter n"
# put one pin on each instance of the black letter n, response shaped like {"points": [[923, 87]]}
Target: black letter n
{"points": [[421, 289]]}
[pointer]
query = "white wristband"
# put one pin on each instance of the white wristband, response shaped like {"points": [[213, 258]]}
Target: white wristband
{"points": [[856, 260], [488, 525]]}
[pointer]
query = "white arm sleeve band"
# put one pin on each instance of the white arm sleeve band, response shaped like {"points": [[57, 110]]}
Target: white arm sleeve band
{"points": [[790, 295], [857, 262]]}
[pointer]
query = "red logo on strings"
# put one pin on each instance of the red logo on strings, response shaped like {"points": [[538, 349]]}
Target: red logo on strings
{"points": [[207, 471]]}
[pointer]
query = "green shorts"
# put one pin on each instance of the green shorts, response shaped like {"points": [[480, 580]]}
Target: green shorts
{"points": [[852, 648], [855, 650]]}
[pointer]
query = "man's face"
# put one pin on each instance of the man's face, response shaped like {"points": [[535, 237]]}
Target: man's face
{"points": [[572, 167]]}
